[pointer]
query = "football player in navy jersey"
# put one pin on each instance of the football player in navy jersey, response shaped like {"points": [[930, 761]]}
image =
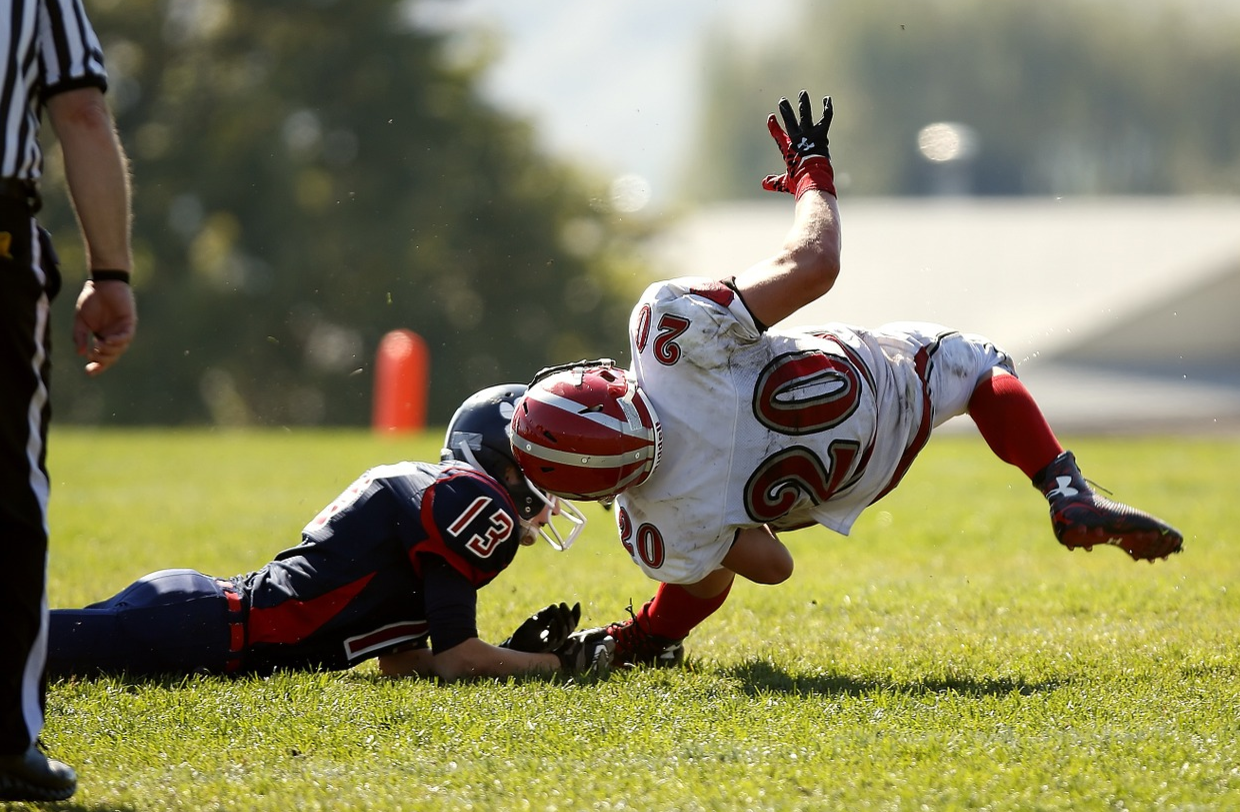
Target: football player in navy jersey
{"points": [[389, 570]]}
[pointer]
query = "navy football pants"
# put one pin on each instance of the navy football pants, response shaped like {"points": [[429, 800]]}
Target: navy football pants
{"points": [[168, 622]]}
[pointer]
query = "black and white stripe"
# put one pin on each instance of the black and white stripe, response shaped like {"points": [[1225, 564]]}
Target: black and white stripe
{"points": [[50, 47], [24, 415]]}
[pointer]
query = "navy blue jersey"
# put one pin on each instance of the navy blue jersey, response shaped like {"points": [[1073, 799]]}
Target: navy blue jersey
{"points": [[353, 589]]}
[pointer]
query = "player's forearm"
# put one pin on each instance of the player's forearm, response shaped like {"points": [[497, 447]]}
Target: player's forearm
{"points": [[815, 234], [475, 658], [811, 249], [97, 173], [804, 268]]}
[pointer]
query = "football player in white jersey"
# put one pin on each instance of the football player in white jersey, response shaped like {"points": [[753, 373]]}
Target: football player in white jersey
{"points": [[725, 432]]}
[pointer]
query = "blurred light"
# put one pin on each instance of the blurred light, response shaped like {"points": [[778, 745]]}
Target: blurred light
{"points": [[332, 347], [124, 58], [302, 132], [223, 398], [629, 193], [946, 141], [460, 301], [195, 20]]}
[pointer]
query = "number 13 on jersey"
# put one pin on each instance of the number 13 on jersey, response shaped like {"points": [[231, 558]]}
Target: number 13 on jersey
{"points": [[497, 527]]}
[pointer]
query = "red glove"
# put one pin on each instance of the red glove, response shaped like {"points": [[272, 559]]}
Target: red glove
{"points": [[804, 147]]}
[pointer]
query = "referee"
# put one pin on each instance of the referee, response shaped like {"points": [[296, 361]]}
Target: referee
{"points": [[52, 63]]}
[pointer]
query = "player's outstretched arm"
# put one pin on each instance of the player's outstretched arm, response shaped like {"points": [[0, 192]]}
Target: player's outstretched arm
{"points": [[450, 603], [469, 659], [582, 654], [807, 264], [804, 268], [475, 658]]}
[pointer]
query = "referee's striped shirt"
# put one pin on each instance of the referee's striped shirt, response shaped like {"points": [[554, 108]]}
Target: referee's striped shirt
{"points": [[49, 47]]}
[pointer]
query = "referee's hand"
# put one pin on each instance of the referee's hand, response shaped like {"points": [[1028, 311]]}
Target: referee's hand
{"points": [[104, 323]]}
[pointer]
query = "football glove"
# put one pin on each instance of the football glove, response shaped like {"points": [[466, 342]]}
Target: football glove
{"points": [[804, 146], [545, 630], [587, 653]]}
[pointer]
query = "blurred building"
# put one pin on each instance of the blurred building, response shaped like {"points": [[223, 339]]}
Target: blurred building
{"points": [[1123, 314]]}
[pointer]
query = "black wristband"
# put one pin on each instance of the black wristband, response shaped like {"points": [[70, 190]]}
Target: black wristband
{"points": [[110, 276]]}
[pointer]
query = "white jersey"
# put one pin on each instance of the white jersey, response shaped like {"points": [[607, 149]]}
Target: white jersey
{"points": [[782, 428]]}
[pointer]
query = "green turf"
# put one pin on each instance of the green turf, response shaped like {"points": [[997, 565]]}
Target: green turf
{"points": [[947, 655]]}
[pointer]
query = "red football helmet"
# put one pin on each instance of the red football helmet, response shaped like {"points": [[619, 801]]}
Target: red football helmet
{"points": [[585, 431]]}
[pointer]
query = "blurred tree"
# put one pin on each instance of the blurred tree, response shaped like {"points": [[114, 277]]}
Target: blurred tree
{"points": [[310, 174], [1062, 97]]}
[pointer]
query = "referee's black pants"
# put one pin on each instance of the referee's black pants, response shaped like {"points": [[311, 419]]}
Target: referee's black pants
{"points": [[29, 280]]}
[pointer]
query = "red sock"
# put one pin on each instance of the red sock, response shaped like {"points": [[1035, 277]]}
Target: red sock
{"points": [[673, 612], [1012, 424]]}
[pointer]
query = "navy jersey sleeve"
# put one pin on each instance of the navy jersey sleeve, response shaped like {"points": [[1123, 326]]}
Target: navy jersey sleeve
{"points": [[471, 523], [451, 603]]}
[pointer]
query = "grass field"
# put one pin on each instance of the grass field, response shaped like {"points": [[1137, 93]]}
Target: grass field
{"points": [[947, 655]]}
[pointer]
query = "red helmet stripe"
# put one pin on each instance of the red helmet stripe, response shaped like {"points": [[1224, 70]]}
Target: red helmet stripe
{"points": [[573, 409], [586, 432]]}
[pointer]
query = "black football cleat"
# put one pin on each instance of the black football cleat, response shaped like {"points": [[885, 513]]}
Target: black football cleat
{"points": [[636, 646], [32, 776], [1082, 518]]}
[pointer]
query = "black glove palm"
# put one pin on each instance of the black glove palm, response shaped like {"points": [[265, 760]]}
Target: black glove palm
{"points": [[546, 629]]}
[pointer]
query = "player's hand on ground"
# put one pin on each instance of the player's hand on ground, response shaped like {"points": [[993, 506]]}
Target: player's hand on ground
{"points": [[801, 141], [545, 630], [587, 653]]}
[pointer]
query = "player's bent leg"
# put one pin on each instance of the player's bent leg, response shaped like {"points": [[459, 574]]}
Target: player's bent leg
{"points": [[1082, 518], [757, 555], [1012, 423], [636, 645], [169, 622], [950, 364], [655, 634]]}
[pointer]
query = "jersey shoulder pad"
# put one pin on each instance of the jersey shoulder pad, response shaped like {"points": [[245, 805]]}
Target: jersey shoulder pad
{"points": [[713, 304], [472, 523]]}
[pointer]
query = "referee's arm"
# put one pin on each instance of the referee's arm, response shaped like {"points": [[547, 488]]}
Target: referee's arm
{"points": [[97, 173], [98, 176]]}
